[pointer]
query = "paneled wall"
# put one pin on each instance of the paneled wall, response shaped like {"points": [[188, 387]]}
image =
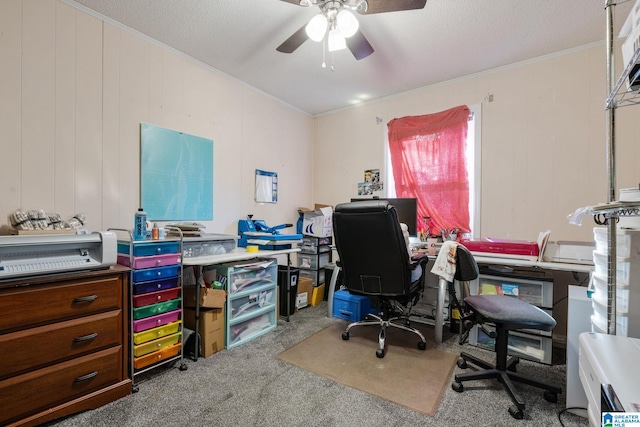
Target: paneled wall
{"points": [[73, 92], [543, 142]]}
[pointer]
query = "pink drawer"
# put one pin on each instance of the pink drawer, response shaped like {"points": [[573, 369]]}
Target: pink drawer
{"points": [[155, 297], [153, 321], [149, 261]]}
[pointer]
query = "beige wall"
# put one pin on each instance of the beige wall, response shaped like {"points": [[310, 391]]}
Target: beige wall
{"points": [[543, 143], [73, 92]]}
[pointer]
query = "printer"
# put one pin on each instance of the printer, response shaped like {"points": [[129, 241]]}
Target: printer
{"points": [[34, 255]]}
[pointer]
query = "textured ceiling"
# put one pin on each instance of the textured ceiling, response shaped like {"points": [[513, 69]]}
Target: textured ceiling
{"points": [[445, 40]]}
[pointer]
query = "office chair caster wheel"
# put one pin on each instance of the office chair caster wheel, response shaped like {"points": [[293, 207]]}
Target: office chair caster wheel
{"points": [[456, 386], [516, 412], [345, 336], [462, 364], [550, 396], [380, 353], [422, 345]]}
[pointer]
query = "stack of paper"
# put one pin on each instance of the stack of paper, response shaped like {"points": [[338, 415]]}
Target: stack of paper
{"points": [[189, 229]]}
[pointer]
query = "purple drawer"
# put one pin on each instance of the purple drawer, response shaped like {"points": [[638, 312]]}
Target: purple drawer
{"points": [[154, 285], [149, 261], [154, 321]]}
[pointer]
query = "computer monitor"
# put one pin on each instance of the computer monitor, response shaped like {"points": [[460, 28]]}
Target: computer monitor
{"points": [[407, 209]]}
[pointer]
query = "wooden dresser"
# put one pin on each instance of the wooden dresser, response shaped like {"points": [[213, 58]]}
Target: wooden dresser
{"points": [[64, 344]]}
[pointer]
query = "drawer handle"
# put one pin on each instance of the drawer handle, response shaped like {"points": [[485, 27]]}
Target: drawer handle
{"points": [[85, 377], [86, 337], [86, 299]]}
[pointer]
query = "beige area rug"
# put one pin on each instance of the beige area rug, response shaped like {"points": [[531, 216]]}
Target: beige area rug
{"points": [[406, 375]]}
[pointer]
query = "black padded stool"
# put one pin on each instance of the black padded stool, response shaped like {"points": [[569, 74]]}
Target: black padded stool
{"points": [[506, 313]]}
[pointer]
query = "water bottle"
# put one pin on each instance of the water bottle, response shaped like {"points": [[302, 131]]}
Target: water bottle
{"points": [[140, 225]]}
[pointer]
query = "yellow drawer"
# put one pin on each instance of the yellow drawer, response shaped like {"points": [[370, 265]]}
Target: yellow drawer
{"points": [[155, 333], [160, 343]]}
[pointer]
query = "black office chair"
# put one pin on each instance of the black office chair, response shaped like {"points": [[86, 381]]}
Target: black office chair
{"points": [[466, 271], [375, 263], [506, 313]]}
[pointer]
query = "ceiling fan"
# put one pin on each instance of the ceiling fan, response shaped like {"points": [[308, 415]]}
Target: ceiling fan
{"points": [[337, 22]]}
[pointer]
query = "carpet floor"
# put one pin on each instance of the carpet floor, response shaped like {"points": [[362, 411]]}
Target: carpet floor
{"points": [[406, 375]]}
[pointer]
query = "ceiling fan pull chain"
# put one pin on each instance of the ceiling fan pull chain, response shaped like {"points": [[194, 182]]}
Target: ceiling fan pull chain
{"points": [[324, 52]]}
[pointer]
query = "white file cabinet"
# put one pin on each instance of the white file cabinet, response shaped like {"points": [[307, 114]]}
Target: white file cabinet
{"points": [[529, 344]]}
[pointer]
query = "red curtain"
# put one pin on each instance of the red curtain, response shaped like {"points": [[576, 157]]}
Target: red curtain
{"points": [[429, 163]]}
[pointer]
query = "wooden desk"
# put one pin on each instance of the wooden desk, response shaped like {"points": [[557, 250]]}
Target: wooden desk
{"points": [[238, 254]]}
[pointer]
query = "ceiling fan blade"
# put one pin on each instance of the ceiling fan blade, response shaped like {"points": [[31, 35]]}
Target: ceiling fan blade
{"points": [[293, 1], [359, 45], [382, 6], [293, 42]]}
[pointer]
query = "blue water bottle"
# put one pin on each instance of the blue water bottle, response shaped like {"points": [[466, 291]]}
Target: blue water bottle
{"points": [[140, 225]]}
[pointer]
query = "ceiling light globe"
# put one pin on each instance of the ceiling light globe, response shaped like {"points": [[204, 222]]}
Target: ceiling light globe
{"points": [[317, 27], [347, 23], [335, 41]]}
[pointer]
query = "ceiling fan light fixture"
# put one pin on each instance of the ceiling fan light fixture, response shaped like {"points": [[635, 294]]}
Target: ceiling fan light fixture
{"points": [[335, 40], [317, 27], [347, 23]]}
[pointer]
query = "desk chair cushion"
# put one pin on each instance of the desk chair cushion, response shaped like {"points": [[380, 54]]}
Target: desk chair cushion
{"points": [[510, 312]]}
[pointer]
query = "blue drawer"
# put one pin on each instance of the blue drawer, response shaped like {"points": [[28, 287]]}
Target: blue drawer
{"points": [[156, 273], [154, 285], [350, 307], [147, 248]]}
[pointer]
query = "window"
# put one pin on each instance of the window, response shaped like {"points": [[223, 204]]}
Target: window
{"points": [[436, 158]]}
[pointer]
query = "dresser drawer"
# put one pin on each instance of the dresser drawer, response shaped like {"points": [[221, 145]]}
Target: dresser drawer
{"points": [[36, 305], [29, 393], [33, 348]]}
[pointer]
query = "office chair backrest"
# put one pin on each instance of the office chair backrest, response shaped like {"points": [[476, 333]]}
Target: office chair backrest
{"points": [[466, 266], [371, 247]]}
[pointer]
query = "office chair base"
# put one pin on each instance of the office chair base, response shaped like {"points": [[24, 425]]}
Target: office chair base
{"points": [[375, 320], [506, 377]]}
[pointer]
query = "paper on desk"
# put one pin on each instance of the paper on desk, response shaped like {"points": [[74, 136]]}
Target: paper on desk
{"points": [[543, 238]]}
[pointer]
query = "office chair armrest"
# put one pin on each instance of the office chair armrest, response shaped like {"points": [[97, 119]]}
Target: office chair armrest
{"points": [[415, 258], [418, 259]]}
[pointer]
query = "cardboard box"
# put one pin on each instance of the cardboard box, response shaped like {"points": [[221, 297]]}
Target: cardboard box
{"points": [[211, 329], [318, 222], [209, 298], [304, 293], [318, 295]]}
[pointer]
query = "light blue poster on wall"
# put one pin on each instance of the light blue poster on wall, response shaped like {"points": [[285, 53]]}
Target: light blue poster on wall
{"points": [[176, 175]]}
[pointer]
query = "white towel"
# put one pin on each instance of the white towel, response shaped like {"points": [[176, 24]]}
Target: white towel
{"points": [[445, 264]]}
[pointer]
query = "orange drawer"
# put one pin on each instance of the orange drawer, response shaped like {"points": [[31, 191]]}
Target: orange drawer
{"points": [[156, 356], [31, 306], [38, 390], [31, 349]]}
